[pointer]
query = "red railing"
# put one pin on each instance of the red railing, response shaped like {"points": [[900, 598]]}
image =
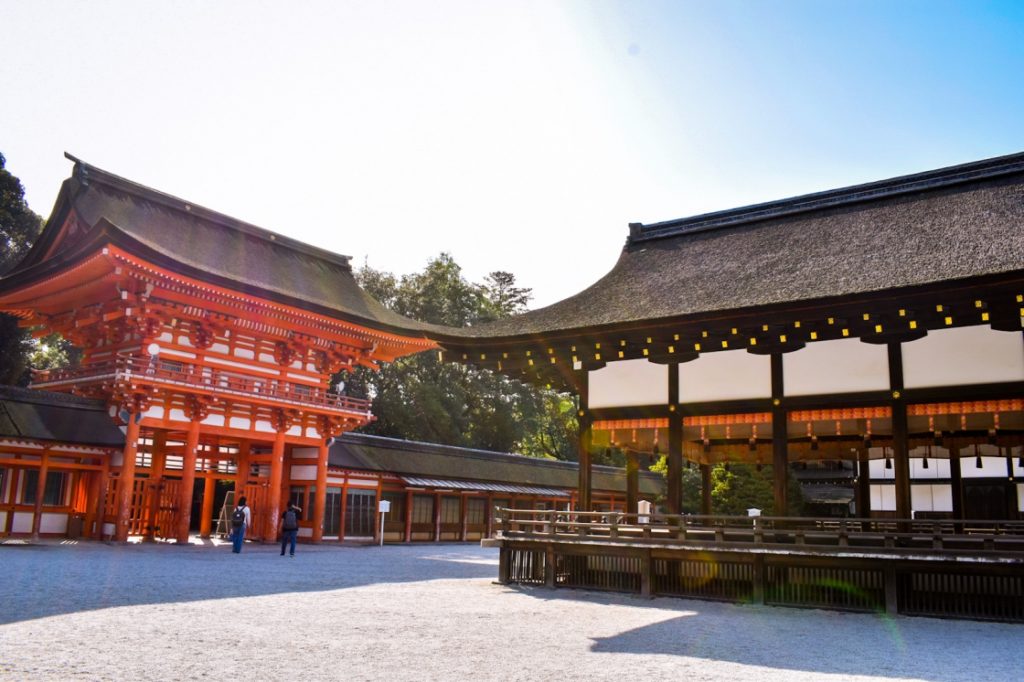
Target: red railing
{"points": [[209, 379]]}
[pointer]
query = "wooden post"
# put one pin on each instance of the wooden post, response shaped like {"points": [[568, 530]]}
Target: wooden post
{"points": [[675, 443], [956, 482], [408, 516], [780, 438], [156, 474], [437, 517], [209, 491], [188, 479], [585, 440], [632, 482], [463, 509], [101, 497], [900, 449], [242, 468], [44, 470], [863, 484], [91, 497], [126, 479], [705, 489], [274, 491], [16, 476], [320, 501]]}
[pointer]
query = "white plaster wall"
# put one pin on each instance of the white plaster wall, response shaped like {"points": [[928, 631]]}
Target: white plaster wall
{"points": [[991, 467], [264, 426], [883, 497], [967, 355], [877, 470], [295, 431], [628, 382], [240, 423], [53, 523], [3, 519], [930, 497], [1020, 497], [303, 472], [725, 375], [22, 522], [214, 420], [155, 412], [840, 366], [937, 468]]}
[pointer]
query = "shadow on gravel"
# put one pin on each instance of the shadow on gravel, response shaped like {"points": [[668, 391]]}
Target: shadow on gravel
{"points": [[803, 640], [47, 580]]}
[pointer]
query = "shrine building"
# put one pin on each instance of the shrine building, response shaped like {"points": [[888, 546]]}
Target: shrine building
{"points": [[873, 331], [210, 343]]}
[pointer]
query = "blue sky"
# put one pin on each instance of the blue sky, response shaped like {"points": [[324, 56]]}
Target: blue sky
{"points": [[520, 136]]}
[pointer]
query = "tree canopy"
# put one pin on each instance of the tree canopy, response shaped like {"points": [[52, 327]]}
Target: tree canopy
{"points": [[421, 398], [19, 227]]}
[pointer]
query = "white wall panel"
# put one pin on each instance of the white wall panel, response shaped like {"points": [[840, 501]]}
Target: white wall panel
{"points": [[240, 423], [1020, 497], [991, 467], [841, 366], [966, 355], [725, 375], [931, 497], [53, 523], [883, 498], [303, 472], [628, 382]]}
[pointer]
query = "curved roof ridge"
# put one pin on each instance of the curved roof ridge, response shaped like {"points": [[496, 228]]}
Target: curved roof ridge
{"points": [[87, 173], [904, 184]]}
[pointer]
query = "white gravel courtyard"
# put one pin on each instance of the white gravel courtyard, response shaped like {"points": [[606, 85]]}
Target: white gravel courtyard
{"points": [[427, 612]]}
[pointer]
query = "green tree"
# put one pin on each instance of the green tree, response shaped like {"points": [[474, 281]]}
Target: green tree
{"points": [[421, 398], [19, 227]]}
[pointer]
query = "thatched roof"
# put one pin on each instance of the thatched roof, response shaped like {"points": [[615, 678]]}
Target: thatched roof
{"points": [[56, 417], [949, 224], [409, 458], [201, 243]]}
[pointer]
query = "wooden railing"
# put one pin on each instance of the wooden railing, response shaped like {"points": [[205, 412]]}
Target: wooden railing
{"points": [[669, 529], [200, 377], [959, 569]]}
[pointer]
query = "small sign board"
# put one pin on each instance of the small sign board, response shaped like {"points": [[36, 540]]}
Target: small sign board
{"points": [[384, 506]]}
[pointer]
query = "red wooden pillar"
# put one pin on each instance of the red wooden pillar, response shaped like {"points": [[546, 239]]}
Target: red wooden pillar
{"points": [[209, 490], [37, 515], [274, 492], [188, 479], [437, 517], [320, 502], [92, 494], [408, 516], [126, 479], [100, 503]]}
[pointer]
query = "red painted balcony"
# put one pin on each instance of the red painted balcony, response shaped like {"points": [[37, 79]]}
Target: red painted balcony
{"points": [[196, 379]]}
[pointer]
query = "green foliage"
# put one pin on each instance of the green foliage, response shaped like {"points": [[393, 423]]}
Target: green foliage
{"points": [[735, 489], [420, 398], [19, 227]]}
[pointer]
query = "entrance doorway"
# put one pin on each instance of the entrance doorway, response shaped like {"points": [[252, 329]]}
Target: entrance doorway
{"points": [[986, 500], [360, 513]]}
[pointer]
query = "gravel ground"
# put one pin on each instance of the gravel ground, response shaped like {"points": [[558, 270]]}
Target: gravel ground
{"points": [[98, 612]]}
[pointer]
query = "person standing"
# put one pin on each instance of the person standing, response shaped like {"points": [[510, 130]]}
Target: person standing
{"points": [[241, 520], [290, 527]]}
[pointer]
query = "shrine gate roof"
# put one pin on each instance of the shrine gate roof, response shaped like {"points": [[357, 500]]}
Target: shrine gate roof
{"points": [[200, 243]]}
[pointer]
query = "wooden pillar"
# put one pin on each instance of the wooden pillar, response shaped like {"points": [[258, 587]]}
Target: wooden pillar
{"points": [[674, 501], [188, 479], [705, 489], [463, 509], [489, 515], [16, 476], [242, 469], [900, 447], [44, 470], [126, 479], [780, 439], [863, 484], [632, 482], [92, 495], [408, 516], [209, 491], [437, 517], [101, 497], [956, 481], [156, 473], [320, 499], [586, 437], [274, 492]]}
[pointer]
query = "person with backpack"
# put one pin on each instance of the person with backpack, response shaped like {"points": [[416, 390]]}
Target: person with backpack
{"points": [[241, 520], [290, 527]]}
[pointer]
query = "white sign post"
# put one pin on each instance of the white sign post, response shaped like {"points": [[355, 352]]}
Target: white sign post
{"points": [[384, 506]]}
